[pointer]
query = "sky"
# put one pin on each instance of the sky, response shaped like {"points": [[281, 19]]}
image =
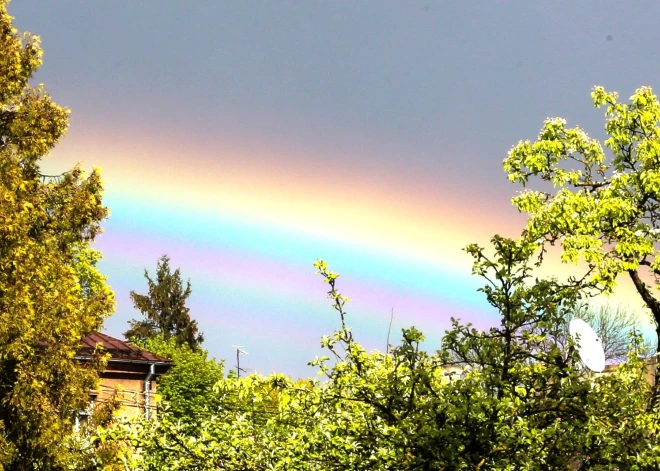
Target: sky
{"points": [[247, 139]]}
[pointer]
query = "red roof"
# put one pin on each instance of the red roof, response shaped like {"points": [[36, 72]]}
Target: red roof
{"points": [[118, 349]]}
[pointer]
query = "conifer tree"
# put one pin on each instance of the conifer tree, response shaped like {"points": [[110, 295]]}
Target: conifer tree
{"points": [[164, 309]]}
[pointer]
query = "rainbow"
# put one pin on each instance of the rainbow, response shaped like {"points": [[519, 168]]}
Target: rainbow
{"points": [[246, 224]]}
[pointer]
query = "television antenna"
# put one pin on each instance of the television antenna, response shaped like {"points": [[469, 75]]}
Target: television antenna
{"points": [[239, 352], [590, 347]]}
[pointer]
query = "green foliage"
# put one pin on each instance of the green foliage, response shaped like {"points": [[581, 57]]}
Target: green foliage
{"points": [[86, 451], [606, 208], [506, 399], [51, 294], [187, 388], [514, 397], [165, 309]]}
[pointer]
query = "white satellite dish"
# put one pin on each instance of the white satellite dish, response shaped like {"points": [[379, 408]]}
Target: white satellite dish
{"points": [[590, 347]]}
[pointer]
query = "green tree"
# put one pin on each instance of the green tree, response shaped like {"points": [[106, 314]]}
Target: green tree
{"points": [[164, 309], [520, 403], [187, 388], [51, 294], [606, 210], [86, 451]]}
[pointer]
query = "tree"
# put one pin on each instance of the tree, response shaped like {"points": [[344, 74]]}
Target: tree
{"points": [[614, 326], [86, 451], [522, 403], [51, 294], [522, 400], [606, 210], [187, 388], [164, 308]]}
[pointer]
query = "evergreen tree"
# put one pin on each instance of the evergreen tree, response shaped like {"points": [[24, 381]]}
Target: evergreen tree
{"points": [[164, 309]]}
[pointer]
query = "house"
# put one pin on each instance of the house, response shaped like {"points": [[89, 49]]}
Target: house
{"points": [[131, 375]]}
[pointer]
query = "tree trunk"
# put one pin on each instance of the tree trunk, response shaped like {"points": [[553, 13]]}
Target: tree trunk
{"points": [[654, 305]]}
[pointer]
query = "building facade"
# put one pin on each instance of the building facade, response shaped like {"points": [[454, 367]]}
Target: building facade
{"points": [[130, 377]]}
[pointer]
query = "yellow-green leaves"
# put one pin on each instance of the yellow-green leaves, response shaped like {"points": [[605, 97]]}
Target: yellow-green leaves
{"points": [[555, 143], [529, 201], [188, 386], [36, 125], [330, 278], [51, 294], [601, 97], [606, 211], [20, 56], [510, 398]]}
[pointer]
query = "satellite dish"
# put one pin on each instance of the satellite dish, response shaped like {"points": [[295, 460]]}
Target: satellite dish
{"points": [[590, 347]]}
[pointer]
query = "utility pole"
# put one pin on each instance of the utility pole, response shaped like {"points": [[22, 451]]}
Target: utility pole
{"points": [[239, 352]]}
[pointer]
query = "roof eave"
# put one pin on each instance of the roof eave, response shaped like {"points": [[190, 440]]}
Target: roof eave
{"points": [[120, 360]]}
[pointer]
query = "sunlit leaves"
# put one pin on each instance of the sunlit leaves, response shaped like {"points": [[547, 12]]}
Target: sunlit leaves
{"points": [[511, 398], [187, 389], [606, 211], [51, 293]]}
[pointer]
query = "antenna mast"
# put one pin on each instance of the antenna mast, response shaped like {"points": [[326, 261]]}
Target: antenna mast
{"points": [[389, 329], [239, 352]]}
